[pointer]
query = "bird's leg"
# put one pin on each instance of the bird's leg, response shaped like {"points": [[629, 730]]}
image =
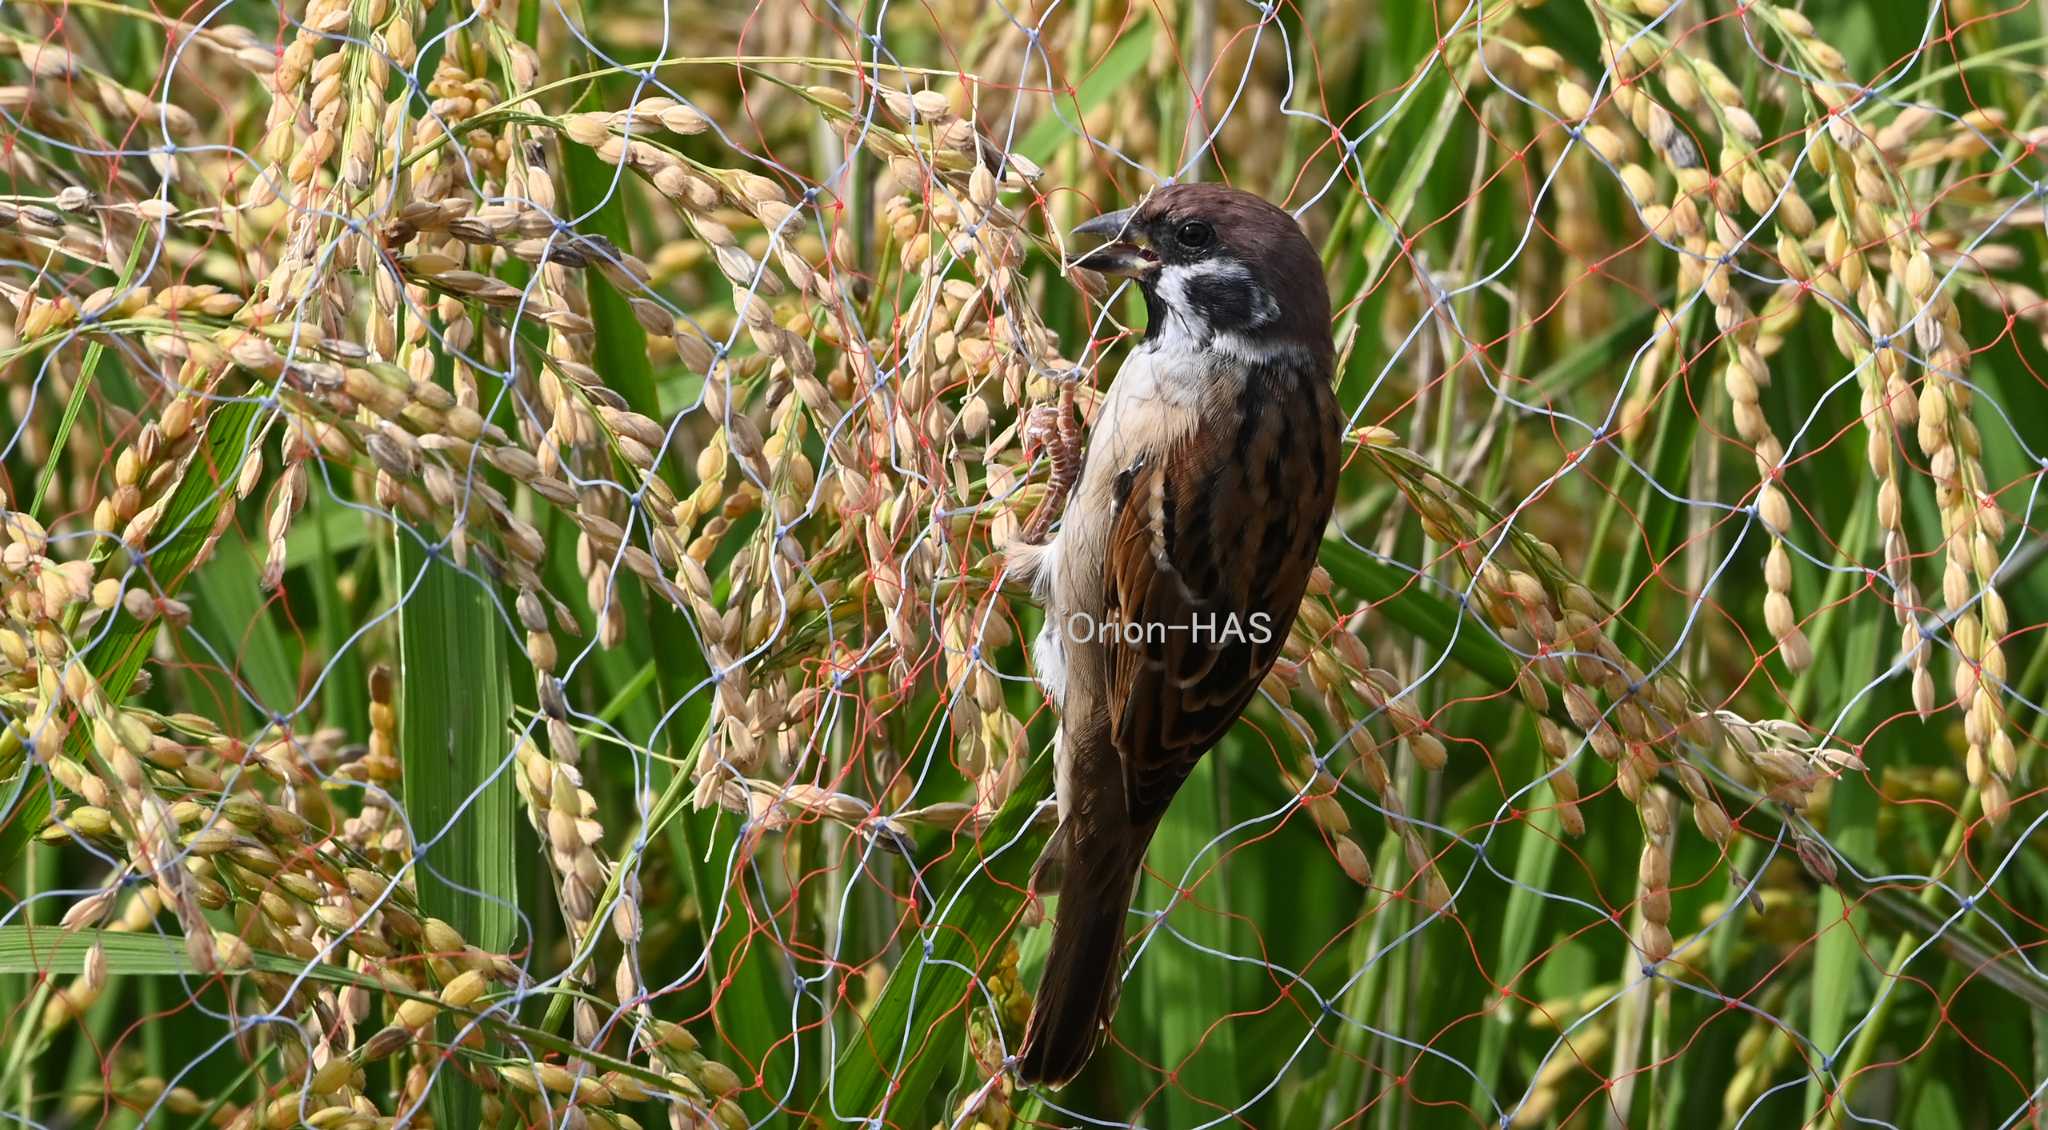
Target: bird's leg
{"points": [[1053, 428]]}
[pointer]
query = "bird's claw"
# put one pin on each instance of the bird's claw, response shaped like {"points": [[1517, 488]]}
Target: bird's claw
{"points": [[1041, 427], [1053, 429]]}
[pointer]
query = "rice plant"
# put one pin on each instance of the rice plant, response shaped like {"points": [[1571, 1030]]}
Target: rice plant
{"points": [[502, 514]]}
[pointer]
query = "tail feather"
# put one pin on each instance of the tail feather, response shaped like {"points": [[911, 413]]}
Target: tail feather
{"points": [[1077, 993]]}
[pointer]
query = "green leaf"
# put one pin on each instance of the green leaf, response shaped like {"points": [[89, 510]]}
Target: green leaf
{"points": [[1839, 989], [1540, 843], [1182, 991], [117, 654], [60, 952], [1407, 599], [232, 612], [88, 369], [324, 530], [344, 689], [454, 702], [80, 390], [454, 705], [1109, 79]]}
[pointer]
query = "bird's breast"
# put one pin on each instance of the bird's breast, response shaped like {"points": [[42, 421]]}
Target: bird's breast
{"points": [[1157, 402]]}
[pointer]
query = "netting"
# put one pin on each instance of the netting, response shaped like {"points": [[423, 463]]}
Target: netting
{"points": [[504, 514]]}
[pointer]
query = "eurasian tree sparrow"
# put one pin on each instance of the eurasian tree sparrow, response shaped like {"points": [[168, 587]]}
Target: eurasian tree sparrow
{"points": [[1209, 475]]}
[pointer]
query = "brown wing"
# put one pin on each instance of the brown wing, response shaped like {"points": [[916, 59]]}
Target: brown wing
{"points": [[1209, 554]]}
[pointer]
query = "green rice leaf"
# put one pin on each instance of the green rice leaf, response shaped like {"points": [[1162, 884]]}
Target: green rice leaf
{"points": [[454, 702], [202, 490]]}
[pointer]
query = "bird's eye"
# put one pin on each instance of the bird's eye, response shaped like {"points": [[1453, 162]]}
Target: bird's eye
{"points": [[1194, 235]]}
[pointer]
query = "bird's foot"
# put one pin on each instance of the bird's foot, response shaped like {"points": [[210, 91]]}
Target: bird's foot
{"points": [[1053, 429]]}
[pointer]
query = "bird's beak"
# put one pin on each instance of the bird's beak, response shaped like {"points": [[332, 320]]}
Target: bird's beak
{"points": [[1125, 255]]}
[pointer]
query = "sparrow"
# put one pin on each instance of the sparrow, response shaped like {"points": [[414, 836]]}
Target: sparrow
{"points": [[1180, 561]]}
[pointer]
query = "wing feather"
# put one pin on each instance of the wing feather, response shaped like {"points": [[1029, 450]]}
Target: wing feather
{"points": [[1209, 553]]}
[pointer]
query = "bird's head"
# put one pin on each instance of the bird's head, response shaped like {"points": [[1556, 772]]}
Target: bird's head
{"points": [[1220, 265]]}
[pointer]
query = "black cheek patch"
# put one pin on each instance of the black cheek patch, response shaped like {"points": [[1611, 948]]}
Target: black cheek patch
{"points": [[1225, 302]]}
